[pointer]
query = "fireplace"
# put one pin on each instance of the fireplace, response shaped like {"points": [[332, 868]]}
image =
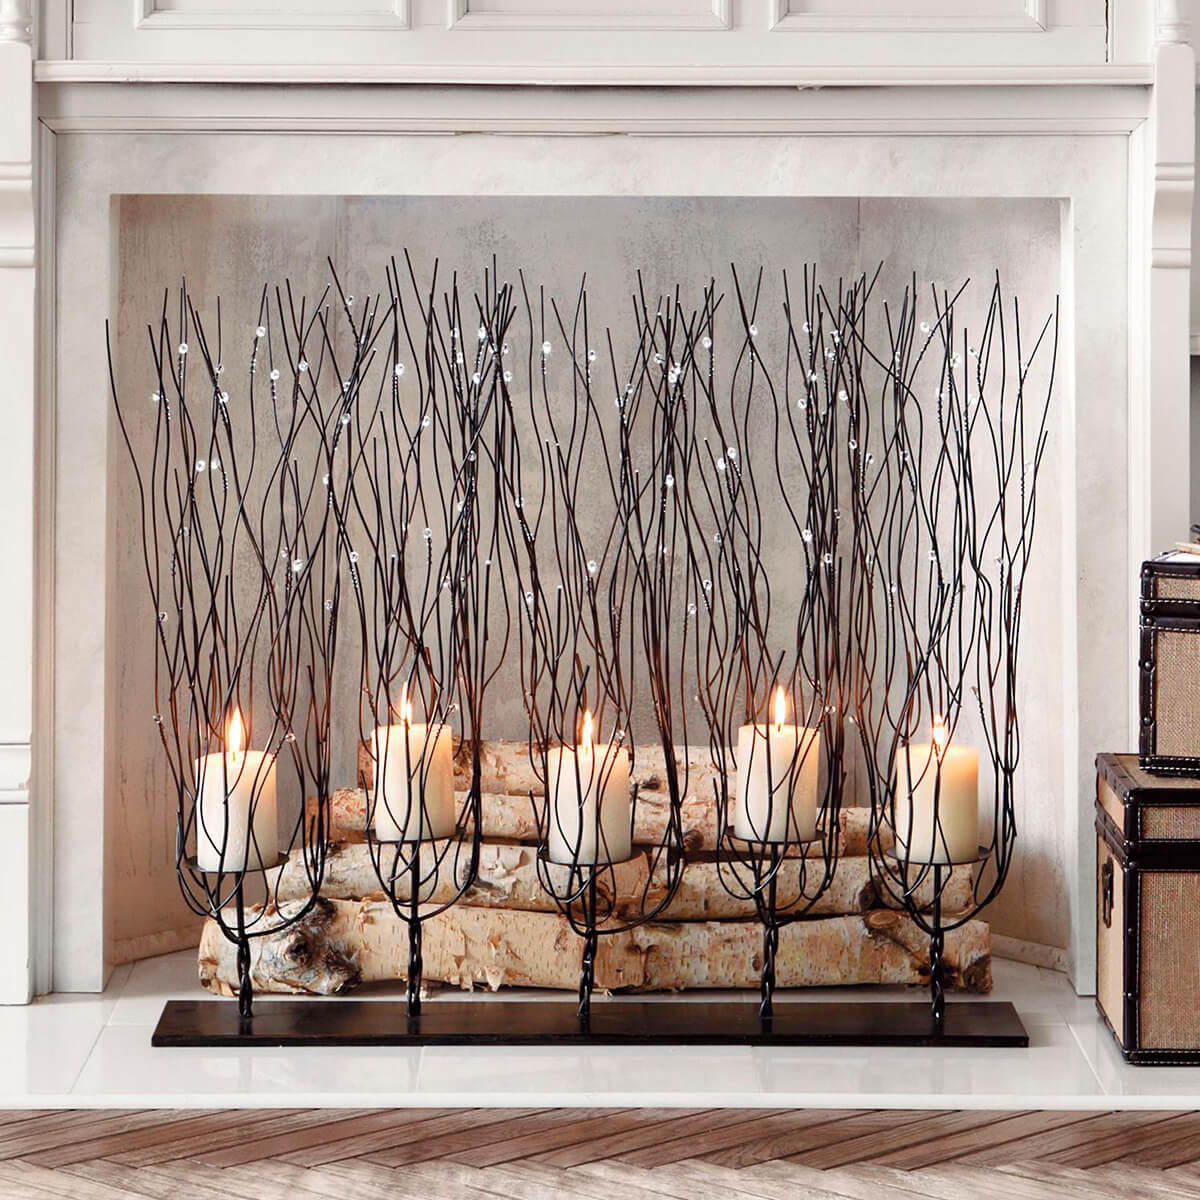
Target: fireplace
{"points": [[147, 205]]}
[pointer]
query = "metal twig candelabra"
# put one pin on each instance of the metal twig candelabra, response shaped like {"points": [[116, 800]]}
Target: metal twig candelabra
{"points": [[422, 538], [944, 530], [807, 548], [596, 586], [769, 673], [240, 561]]}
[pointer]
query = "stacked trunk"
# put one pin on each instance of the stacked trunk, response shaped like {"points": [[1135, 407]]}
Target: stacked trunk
{"points": [[506, 930]]}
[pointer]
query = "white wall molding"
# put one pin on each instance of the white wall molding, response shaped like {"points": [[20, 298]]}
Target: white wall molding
{"points": [[16, 21], [911, 16], [1172, 21], [17, 326], [178, 108], [522, 41], [233, 16], [743, 75], [1163, 175], [715, 15]]}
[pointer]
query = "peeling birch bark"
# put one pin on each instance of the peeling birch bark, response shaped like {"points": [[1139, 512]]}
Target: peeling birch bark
{"points": [[511, 817], [344, 942]]}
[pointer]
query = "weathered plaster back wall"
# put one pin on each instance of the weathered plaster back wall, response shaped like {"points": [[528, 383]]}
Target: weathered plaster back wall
{"points": [[230, 246]]}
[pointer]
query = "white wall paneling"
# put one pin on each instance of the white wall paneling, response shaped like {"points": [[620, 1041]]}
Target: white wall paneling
{"points": [[917, 16], [232, 15], [16, 488], [570, 14], [583, 41]]}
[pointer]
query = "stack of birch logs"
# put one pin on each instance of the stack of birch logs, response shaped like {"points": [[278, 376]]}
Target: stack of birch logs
{"points": [[506, 929]]}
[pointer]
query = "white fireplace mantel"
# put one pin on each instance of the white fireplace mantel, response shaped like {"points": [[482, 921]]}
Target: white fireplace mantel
{"points": [[1110, 134]]}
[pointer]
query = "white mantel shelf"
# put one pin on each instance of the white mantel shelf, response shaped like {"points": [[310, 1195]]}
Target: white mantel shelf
{"points": [[593, 74], [77, 1051]]}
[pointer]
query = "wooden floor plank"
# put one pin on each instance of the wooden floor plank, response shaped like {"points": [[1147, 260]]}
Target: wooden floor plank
{"points": [[709, 1179], [394, 1152], [844, 1182], [1065, 1138], [67, 1187], [277, 1137], [193, 1143], [1058, 1180], [455, 1180], [186, 1127], [1182, 1149], [933, 1124], [615, 1173], [120, 1176], [601, 1154], [196, 1181], [356, 1174], [780, 1145], [34, 1136], [356, 1180], [297, 1182], [14, 1116], [1005, 1129], [754, 1126], [1124, 1181], [516, 1123], [957, 1179], [53, 1131], [570, 1133], [690, 1123], [1132, 1140], [380, 1131], [528, 1181]]}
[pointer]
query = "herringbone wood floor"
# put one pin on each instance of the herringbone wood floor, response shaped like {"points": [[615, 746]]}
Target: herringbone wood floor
{"points": [[600, 1154]]}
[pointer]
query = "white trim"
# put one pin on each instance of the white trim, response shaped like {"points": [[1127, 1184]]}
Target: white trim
{"points": [[1031, 19], [589, 74], [15, 760], [41, 813], [147, 16], [715, 16]]}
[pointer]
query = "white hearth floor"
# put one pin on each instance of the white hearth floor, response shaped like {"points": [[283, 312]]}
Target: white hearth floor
{"points": [[94, 1051]]}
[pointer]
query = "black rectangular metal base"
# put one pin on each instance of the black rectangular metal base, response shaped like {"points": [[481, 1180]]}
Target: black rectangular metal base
{"points": [[615, 1022]]}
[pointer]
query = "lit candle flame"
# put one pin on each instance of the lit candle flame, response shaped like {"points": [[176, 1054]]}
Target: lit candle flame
{"points": [[941, 736], [780, 708], [405, 708], [587, 732], [235, 741]]}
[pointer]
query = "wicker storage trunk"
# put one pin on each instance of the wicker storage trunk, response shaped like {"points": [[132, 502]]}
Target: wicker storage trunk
{"points": [[1169, 684], [1148, 911]]}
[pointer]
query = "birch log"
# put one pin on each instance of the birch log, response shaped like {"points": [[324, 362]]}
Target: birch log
{"points": [[343, 942], [511, 817], [508, 878]]}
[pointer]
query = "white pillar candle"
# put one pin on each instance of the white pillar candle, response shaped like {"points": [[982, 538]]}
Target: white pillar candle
{"points": [[590, 814], [954, 836], [414, 780], [236, 793], [777, 768]]}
